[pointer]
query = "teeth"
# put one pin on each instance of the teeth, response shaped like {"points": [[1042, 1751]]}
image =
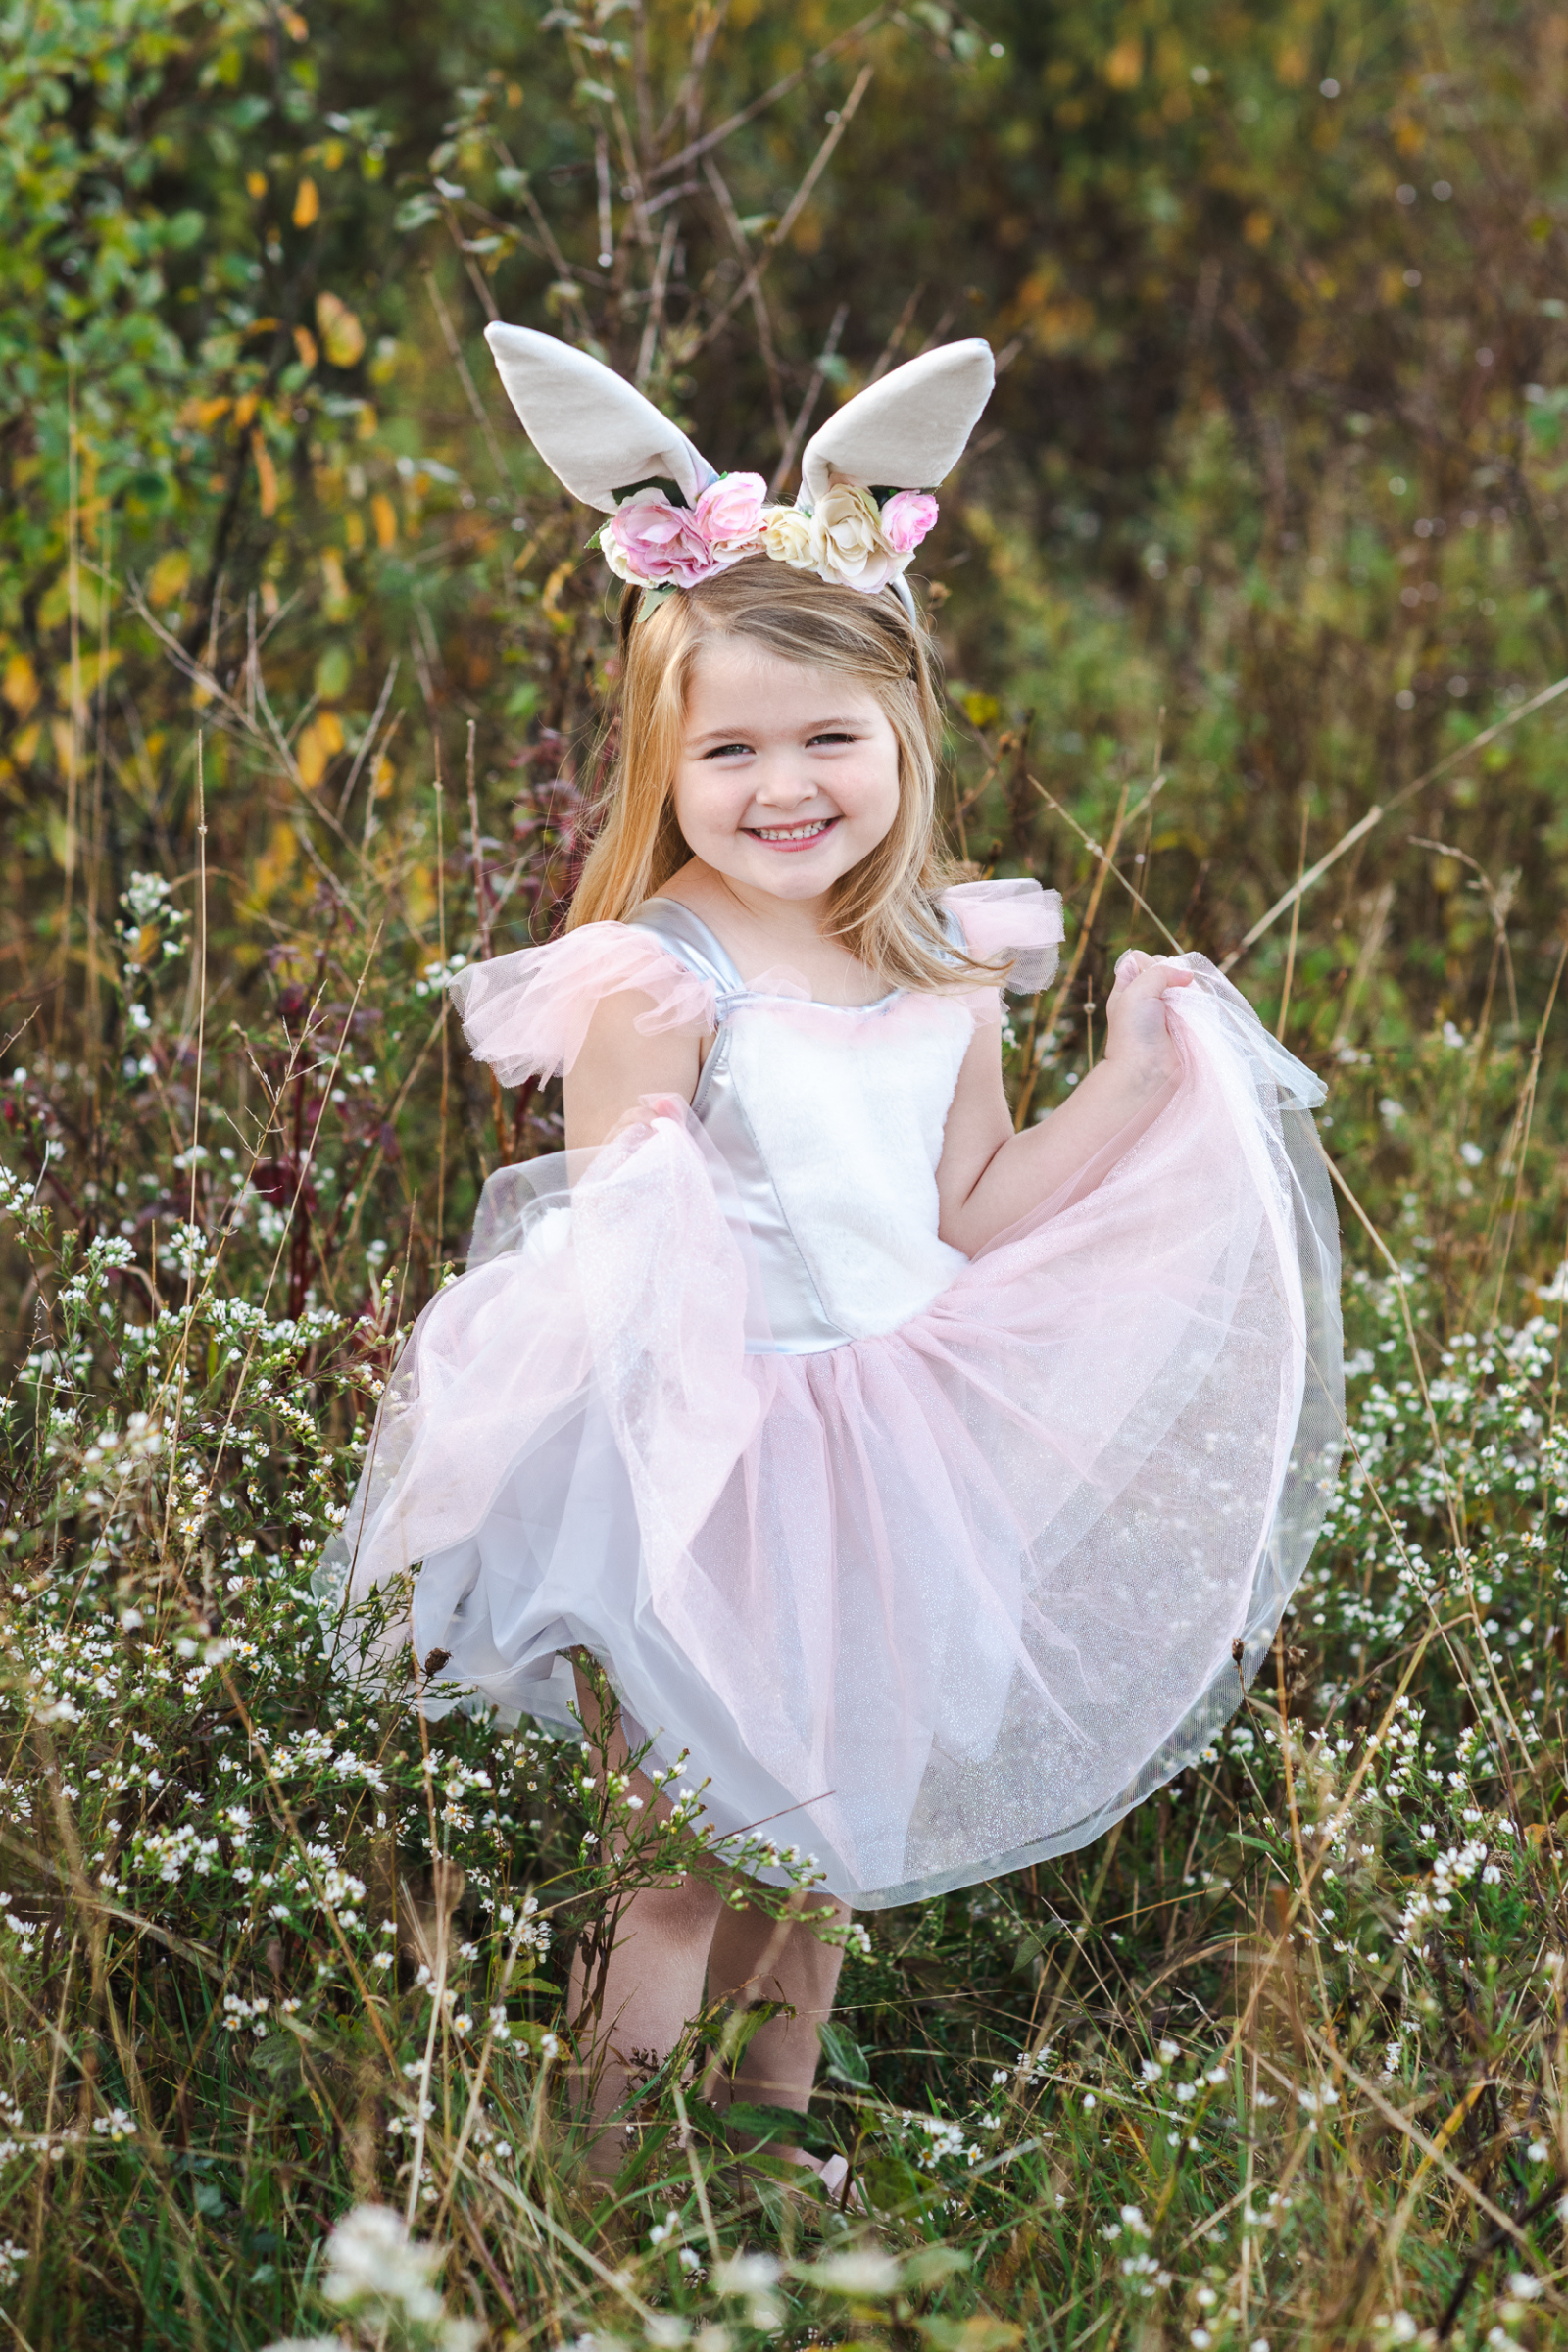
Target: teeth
{"points": [[791, 832]]}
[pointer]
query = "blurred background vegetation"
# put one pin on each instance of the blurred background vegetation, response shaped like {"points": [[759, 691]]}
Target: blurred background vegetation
{"points": [[1270, 488], [1254, 569]]}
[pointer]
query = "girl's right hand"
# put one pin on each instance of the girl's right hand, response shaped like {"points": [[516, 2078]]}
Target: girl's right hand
{"points": [[1139, 1043]]}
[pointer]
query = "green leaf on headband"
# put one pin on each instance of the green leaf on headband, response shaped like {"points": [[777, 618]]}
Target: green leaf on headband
{"points": [[652, 598]]}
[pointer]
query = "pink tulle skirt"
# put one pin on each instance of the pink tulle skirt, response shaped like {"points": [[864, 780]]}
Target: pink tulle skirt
{"points": [[930, 1605]]}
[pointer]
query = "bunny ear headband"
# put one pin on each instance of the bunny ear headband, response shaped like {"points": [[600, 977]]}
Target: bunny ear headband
{"points": [[675, 521]]}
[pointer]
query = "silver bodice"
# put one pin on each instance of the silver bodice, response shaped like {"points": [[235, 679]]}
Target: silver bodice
{"points": [[796, 1322], [850, 1245]]}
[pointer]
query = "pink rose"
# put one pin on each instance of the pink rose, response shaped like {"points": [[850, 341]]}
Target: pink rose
{"points": [[655, 544], [729, 514], [906, 518]]}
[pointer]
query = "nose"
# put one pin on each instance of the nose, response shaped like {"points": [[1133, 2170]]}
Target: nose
{"points": [[780, 781]]}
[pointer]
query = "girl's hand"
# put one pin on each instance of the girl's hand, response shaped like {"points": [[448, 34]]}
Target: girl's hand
{"points": [[1139, 1043]]}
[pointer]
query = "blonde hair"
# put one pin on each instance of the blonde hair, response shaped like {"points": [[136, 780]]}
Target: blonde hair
{"points": [[883, 911]]}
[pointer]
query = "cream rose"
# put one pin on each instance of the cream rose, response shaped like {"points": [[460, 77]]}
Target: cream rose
{"points": [[790, 536], [852, 548]]}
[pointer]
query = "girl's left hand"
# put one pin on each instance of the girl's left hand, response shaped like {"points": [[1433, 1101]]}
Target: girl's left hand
{"points": [[1139, 1042]]}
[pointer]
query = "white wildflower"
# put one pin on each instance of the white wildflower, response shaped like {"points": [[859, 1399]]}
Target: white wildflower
{"points": [[370, 2259], [863, 2271]]}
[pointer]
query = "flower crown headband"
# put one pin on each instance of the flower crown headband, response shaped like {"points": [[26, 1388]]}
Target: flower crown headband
{"points": [[675, 521]]}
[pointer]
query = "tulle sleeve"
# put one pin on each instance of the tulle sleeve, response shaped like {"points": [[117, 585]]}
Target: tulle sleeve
{"points": [[527, 1014], [1013, 921]]}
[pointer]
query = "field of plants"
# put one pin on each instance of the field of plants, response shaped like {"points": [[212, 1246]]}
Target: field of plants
{"points": [[1253, 595]]}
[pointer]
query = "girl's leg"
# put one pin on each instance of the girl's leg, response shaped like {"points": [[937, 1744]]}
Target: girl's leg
{"points": [[651, 1984], [652, 1988], [753, 1958]]}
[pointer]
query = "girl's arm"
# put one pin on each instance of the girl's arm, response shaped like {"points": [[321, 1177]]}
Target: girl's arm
{"points": [[988, 1177], [617, 1063]]}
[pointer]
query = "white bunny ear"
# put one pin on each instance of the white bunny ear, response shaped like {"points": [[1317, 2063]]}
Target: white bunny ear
{"points": [[906, 432], [596, 432]]}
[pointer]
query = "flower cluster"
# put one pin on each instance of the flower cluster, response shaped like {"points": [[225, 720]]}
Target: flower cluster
{"points": [[848, 539]]}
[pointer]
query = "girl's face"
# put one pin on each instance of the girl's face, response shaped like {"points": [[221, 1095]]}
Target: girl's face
{"points": [[787, 776]]}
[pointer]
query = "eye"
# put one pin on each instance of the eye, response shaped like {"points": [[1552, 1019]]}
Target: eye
{"points": [[727, 751], [835, 735]]}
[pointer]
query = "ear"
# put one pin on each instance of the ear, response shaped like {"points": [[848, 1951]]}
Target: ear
{"points": [[596, 432], [906, 432]]}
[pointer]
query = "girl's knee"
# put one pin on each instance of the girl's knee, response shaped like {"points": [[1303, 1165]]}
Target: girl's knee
{"points": [[691, 1907]]}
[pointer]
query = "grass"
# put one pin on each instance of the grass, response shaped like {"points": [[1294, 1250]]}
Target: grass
{"points": [[1278, 2060]]}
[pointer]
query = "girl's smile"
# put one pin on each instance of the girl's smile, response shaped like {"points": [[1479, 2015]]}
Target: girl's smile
{"points": [[793, 837]]}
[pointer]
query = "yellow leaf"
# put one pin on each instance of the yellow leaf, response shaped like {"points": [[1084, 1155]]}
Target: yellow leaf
{"points": [[265, 476], [24, 748], [1257, 228], [20, 685], [256, 184], [384, 516], [1065, 325], [342, 335], [354, 531], [168, 577], [981, 709], [338, 587], [306, 204], [1292, 65], [294, 24], [208, 411], [1125, 66], [311, 756], [92, 667], [549, 602], [270, 869], [305, 345], [245, 408]]}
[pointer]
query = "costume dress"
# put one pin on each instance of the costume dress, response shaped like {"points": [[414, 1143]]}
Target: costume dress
{"points": [[935, 1565]]}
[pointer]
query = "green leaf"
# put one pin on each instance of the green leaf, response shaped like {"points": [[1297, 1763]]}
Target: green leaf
{"points": [[982, 2334], [936, 2263], [843, 2056]]}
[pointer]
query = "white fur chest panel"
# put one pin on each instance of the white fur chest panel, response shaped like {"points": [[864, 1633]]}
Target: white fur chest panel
{"points": [[848, 1107]]}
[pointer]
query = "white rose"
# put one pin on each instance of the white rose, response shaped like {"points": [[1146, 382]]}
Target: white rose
{"points": [[853, 549], [790, 536], [605, 541]]}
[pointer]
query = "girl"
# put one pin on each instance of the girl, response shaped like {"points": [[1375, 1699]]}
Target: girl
{"points": [[933, 1487]]}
